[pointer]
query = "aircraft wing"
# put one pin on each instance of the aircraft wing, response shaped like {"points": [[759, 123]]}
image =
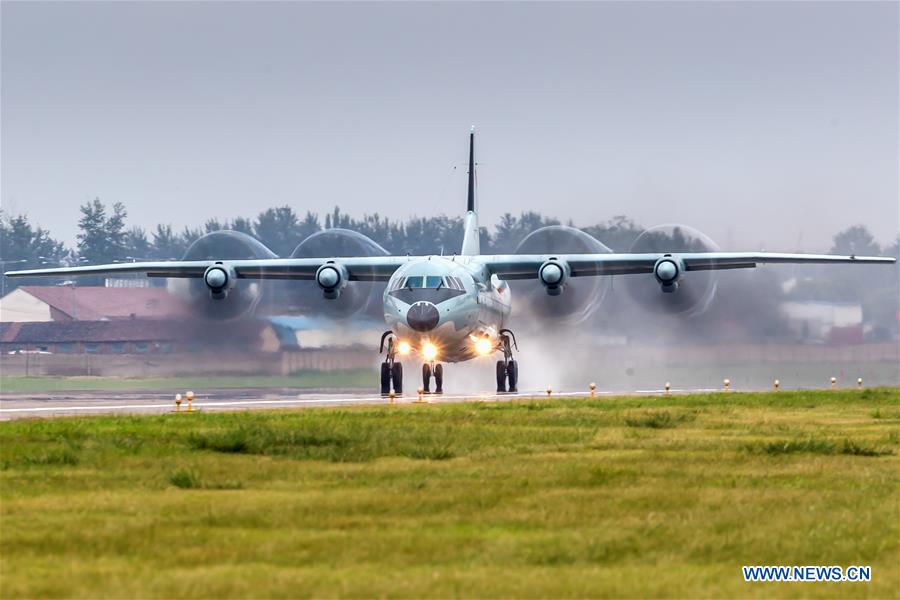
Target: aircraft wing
{"points": [[526, 266], [514, 266], [364, 268]]}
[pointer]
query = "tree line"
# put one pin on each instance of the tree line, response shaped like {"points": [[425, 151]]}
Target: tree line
{"points": [[105, 237]]}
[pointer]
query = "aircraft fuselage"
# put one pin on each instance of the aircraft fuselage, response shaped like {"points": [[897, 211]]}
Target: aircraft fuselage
{"points": [[450, 302]]}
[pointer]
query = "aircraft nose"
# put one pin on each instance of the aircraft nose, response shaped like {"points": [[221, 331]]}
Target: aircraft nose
{"points": [[423, 316]]}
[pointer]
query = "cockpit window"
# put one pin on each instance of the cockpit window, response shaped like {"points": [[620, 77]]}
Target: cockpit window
{"points": [[433, 282]]}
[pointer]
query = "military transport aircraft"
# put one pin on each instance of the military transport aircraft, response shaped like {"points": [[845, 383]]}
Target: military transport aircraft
{"points": [[442, 308]]}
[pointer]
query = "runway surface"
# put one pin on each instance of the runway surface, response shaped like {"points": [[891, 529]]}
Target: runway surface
{"points": [[17, 406]]}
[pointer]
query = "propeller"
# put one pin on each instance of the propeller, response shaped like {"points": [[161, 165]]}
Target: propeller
{"points": [[208, 297], [353, 298], [579, 297], [692, 293]]}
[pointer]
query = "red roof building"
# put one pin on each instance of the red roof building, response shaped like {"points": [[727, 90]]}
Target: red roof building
{"points": [[132, 336], [37, 303]]}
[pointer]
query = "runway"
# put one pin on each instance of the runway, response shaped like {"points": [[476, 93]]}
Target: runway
{"points": [[17, 406]]}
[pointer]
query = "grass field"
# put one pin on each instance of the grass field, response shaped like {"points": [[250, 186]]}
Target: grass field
{"points": [[357, 378], [605, 497]]}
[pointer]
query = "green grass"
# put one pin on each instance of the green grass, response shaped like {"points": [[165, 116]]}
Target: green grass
{"points": [[604, 497], [350, 379]]}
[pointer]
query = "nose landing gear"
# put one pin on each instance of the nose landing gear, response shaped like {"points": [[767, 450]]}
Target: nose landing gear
{"points": [[508, 368], [391, 369]]}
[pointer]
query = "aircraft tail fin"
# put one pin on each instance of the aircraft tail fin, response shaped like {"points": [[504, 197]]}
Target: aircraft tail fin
{"points": [[471, 245]]}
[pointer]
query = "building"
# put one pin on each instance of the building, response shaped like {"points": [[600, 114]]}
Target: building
{"points": [[50, 303], [832, 322], [318, 332], [135, 336]]}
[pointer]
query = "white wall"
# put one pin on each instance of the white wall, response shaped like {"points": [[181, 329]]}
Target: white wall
{"points": [[19, 306]]}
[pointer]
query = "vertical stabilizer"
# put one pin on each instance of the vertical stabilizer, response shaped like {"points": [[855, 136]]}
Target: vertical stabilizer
{"points": [[470, 245]]}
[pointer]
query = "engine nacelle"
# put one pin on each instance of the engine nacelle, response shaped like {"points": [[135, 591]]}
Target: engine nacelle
{"points": [[219, 278], [553, 274], [668, 270], [332, 277]]}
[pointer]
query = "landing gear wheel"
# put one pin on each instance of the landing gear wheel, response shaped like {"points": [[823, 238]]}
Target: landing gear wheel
{"points": [[397, 378], [426, 378], [501, 377], [512, 374], [438, 379], [385, 379]]}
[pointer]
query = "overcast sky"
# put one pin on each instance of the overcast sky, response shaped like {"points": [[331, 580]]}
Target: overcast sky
{"points": [[766, 125]]}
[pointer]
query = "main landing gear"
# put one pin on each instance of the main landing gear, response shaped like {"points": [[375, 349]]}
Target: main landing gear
{"points": [[391, 369], [508, 368], [429, 369]]}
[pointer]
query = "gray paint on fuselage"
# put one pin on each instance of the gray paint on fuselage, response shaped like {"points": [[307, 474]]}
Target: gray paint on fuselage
{"points": [[479, 310]]}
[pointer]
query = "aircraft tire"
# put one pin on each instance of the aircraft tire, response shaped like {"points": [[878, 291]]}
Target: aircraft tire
{"points": [[439, 379], [397, 378], [501, 377], [512, 374], [385, 379], [426, 378]]}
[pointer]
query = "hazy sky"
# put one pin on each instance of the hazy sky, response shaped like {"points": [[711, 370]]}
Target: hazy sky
{"points": [[758, 123]]}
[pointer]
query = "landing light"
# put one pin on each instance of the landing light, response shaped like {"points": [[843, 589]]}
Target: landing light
{"points": [[429, 351], [404, 347], [483, 346]]}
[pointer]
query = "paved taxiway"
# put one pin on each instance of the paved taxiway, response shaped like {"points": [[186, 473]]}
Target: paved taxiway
{"points": [[17, 406]]}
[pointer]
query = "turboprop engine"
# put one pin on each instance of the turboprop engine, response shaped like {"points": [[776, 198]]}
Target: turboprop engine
{"points": [[669, 289], [343, 297], [561, 298], [219, 294]]}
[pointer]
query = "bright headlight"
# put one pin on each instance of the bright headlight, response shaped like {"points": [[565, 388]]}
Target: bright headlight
{"points": [[429, 351], [483, 346], [404, 347]]}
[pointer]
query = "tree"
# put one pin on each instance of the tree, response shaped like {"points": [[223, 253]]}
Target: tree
{"points": [[512, 230], [617, 233], [243, 225], [214, 225], [102, 238], [433, 235], [25, 247], [138, 245], [278, 228], [92, 247], [115, 233], [307, 227], [190, 235], [166, 244], [855, 240]]}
